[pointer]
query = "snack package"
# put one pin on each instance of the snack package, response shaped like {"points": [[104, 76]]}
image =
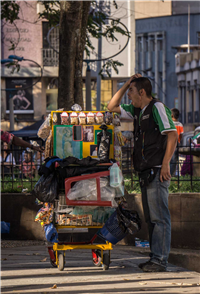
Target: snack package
{"points": [[47, 151], [119, 140], [45, 128], [74, 118], [118, 155], [82, 118], [116, 121], [64, 118], [108, 118], [99, 118], [90, 118]]}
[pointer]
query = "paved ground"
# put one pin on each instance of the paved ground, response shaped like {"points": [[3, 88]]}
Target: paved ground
{"points": [[27, 270]]}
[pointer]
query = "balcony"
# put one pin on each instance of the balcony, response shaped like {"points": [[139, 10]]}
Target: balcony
{"points": [[49, 57]]}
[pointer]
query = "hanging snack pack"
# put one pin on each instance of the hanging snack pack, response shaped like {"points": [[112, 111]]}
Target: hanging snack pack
{"points": [[74, 118], [45, 128], [64, 118], [99, 118], [82, 118], [103, 143], [90, 118], [108, 118]]}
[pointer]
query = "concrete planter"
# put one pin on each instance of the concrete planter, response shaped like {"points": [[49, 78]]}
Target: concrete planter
{"points": [[20, 211], [185, 219]]}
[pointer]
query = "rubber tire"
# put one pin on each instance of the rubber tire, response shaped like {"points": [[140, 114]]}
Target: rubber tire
{"points": [[53, 264], [106, 261], [98, 253], [61, 262]]}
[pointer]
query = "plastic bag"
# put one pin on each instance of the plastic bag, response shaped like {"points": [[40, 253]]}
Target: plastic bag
{"points": [[103, 143], [46, 188], [128, 220], [76, 107], [116, 120], [84, 189], [5, 228], [45, 128], [51, 233]]}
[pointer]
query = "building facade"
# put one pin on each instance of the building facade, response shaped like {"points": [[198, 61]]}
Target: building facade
{"points": [[156, 41], [188, 75]]}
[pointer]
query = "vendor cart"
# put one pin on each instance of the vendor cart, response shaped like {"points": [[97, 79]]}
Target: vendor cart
{"points": [[83, 147]]}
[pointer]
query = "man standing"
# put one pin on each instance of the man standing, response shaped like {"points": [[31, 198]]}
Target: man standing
{"points": [[155, 139]]}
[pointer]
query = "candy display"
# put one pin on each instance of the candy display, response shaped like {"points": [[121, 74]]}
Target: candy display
{"points": [[74, 118], [64, 118], [90, 118], [82, 118], [99, 118]]}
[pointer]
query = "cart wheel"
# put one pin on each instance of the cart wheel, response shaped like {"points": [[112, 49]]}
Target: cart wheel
{"points": [[61, 262], [106, 261], [97, 259]]}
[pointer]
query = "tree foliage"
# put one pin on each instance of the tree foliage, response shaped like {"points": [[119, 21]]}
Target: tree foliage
{"points": [[91, 21]]}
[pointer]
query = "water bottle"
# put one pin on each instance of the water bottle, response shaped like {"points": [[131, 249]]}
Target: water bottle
{"points": [[115, 176]]}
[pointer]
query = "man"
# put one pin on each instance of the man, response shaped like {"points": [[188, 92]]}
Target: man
{"points": [[155, 139], [11, 139]]}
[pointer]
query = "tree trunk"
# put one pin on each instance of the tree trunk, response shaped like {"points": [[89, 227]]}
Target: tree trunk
{"points": [[73, 21], [78, 84], [70, 17]]}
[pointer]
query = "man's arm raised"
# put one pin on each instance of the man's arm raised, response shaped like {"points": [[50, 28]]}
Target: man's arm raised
{"points": [[116, 99]]}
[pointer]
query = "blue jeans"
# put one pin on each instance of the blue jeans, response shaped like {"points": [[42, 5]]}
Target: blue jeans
{"points": [[157, 216]]}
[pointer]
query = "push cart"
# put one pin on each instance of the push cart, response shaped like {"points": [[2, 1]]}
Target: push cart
{"points": [[82, 146], [99, 256]]}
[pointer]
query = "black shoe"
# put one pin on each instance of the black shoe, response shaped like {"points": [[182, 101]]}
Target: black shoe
{"points": [[140, 265], [153, 267]]}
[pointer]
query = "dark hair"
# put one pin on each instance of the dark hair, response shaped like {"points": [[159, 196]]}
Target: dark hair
{"points": [[175, 113], [143, 83]]}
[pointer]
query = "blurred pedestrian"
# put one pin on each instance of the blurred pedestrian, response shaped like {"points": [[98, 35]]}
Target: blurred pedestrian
{"points": [[12, 139], [180, 131]]}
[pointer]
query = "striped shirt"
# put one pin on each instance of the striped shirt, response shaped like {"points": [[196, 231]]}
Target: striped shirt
{"points": [[161, 116]]}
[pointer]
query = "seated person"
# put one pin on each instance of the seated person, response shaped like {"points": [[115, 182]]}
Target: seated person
{"points": [[28, 166], [7, 160]]}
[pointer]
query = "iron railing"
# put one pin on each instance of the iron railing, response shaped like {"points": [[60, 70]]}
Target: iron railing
{"points": [[14, 176]]}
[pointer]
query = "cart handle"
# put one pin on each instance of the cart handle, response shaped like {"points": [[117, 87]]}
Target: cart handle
{"points": [[97, 202]]}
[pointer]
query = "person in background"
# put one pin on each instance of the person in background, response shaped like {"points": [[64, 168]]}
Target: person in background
{"points": [[155, 139], [28, 166], [11, 139], [7, 160], [39, 159], [180, 131]]}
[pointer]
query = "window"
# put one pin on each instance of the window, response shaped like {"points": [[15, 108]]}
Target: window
{"points": [[198, 38]]}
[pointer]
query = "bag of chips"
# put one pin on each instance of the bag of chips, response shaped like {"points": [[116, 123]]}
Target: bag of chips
{"points": [[90, 118]]}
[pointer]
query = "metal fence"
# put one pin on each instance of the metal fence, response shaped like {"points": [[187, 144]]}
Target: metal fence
{"points": [[187, 163], [19, 171]]}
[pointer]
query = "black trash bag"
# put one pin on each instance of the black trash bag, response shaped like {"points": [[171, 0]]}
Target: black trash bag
{"points": [[128, 220], [103, 143], [46, 189]]}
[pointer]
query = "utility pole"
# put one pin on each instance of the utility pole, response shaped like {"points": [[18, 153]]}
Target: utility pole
{"points": [[188, 28]]}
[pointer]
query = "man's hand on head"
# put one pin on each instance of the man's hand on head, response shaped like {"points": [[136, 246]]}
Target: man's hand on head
{"points": [[135, 76]]}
